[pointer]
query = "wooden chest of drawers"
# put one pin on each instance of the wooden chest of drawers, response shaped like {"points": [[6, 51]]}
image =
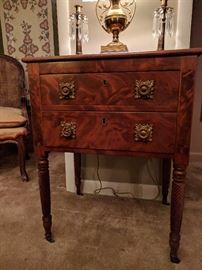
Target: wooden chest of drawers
{"points": [[130, 104]]}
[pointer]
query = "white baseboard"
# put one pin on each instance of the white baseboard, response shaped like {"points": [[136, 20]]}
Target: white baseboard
{"points": [[148, 192], [195, 157]]}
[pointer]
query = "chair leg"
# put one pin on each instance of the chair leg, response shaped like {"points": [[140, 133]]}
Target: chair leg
{"points": [[21, 158]]}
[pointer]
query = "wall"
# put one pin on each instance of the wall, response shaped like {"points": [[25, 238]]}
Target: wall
{"points": [[63, 26], [124, 173], [183, 26]]}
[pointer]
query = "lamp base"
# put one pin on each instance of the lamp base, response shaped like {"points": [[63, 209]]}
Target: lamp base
{"points": [[114, 47]]}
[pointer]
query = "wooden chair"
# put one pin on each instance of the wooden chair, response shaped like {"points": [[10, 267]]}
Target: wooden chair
{"points": [[13, 110]]}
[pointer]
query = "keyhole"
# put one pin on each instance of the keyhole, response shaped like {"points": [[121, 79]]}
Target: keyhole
{"points": [[105, 82], [104, 121]]}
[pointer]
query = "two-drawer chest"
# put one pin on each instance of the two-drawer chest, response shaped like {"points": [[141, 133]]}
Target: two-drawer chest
{"points": [[128, 104]]}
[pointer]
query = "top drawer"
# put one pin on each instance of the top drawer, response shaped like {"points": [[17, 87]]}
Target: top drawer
{"points": [[148, 91]]}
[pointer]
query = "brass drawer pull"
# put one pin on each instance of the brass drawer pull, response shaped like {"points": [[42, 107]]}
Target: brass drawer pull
{"points": [[144, 89], [143, 132], [68, 130], [67, 90]]}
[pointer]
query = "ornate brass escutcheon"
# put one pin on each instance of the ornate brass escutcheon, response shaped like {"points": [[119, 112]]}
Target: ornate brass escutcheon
{"points": [[68, 130], [144, 89], [67, 90], [143, 132]]}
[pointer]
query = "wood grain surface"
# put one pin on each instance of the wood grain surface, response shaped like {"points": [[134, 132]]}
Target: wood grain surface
{"points": [[114, 89]]}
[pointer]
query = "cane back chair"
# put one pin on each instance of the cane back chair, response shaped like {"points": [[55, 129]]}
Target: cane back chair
{"points": [[13, 110]]}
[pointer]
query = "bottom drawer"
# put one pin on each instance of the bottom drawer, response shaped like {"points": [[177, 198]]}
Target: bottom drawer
{"points": [[140, 132]]}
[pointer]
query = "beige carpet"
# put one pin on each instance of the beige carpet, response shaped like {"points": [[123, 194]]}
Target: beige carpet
{"points": [[92, 232]]}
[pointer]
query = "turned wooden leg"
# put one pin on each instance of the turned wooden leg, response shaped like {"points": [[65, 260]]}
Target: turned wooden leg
{"points": [[77, 170], [166, 167], [21, 157], [44, 186], [177, 206]]}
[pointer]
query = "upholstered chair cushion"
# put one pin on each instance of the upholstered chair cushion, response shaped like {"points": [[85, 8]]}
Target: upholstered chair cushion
{"points": [[12, 133], [11, 117]]}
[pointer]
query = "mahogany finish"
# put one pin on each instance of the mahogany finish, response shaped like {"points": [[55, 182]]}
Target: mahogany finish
{"points": [[114, 89], [110, 131], [130, 104]]}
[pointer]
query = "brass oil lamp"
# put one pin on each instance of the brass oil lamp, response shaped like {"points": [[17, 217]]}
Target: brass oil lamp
{"points": [[114, 17]]}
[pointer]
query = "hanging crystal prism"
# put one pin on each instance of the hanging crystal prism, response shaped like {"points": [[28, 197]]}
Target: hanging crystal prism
{"points": [[170, 21], [158, 22], [72, 21], [85, 29]]}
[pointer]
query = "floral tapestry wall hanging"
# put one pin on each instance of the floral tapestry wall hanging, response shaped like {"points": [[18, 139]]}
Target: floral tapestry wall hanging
{"points": [[27, 27]]}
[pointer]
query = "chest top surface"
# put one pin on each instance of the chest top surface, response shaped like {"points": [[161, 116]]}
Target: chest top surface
{"points": [[128, 55]]}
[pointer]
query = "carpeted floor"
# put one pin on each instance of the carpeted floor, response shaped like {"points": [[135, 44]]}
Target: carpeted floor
{"points": [[92, 232]]}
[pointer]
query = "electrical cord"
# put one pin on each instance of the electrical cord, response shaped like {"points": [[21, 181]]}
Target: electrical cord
{"points": [[155, 181], [121, 194], [114, 192]]}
